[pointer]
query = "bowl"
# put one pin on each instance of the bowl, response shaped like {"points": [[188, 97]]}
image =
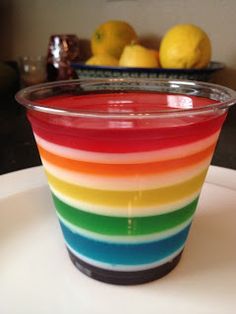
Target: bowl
{"points": [[84, 71]]}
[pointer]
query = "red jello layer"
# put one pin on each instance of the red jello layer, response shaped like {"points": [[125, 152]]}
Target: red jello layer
{"points": [[124, 135]]}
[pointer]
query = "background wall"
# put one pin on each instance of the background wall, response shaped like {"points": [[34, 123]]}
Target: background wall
{"points": [[25, 25]]}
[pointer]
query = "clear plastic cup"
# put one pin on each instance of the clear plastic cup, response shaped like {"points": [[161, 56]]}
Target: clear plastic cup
{"points": [[125, 161]]}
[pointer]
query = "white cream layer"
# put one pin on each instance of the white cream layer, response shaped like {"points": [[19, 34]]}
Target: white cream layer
{"points": [[128, 158], [124, 267], [138, 239], [127, 183], [127, 211]]}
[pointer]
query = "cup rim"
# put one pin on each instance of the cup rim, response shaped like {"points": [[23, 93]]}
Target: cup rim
{"points": [[228, 97]]}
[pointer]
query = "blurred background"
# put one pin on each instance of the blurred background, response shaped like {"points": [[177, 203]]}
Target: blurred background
{"points": [[26, 26]]}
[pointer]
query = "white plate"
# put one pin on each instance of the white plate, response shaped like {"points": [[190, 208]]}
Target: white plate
{"points": [[36, 275]]}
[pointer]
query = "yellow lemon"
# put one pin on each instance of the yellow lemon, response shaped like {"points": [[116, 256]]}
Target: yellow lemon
{"points": [[111, 37], [138, 56], [185, 46], [103, 59]]}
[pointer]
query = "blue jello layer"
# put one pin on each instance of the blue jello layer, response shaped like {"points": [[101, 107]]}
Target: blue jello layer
{"points": [[124, 253]]}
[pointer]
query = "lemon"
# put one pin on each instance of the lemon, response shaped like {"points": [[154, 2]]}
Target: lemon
{"points": [[111, 37], [103, 59], [185, 46], [138, 56]]}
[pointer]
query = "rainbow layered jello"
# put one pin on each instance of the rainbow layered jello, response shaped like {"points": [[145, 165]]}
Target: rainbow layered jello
{"points": [[126, 188]]}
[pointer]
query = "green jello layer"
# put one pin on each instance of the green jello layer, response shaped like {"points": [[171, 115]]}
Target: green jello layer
{"points": [[123, 226]]}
